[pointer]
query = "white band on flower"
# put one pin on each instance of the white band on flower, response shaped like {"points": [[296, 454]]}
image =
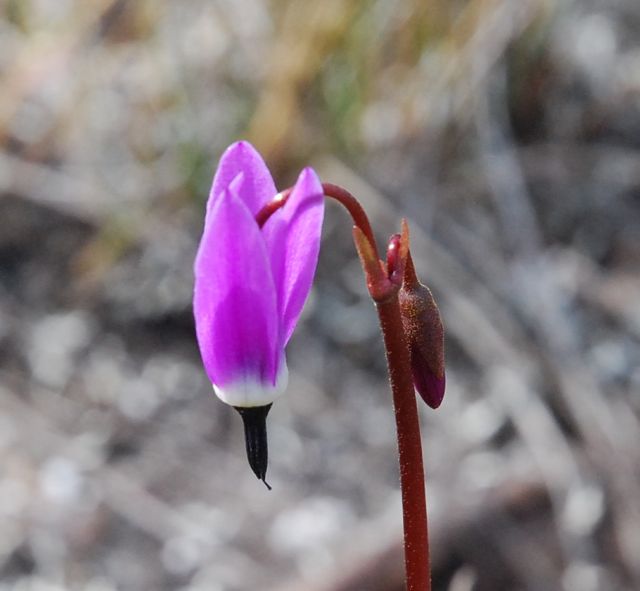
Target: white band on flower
{"points": [[247, 393]]}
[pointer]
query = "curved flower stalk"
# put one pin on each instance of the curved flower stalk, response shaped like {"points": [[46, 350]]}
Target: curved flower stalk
{"points": [[252, 278], [410, 325]]}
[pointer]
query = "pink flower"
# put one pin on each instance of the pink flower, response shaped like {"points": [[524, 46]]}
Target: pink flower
{"points": [[251, 283]]}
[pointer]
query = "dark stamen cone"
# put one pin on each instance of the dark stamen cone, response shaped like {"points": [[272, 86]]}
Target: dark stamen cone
{"points": [[425, 335], [255, 435]]}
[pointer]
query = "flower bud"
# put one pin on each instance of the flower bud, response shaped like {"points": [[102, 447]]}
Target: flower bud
{"points": [[425, 336]]}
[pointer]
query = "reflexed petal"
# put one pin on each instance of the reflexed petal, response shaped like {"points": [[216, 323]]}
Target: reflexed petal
{"points": [[257, 187], [293, 238], [235, 302]]}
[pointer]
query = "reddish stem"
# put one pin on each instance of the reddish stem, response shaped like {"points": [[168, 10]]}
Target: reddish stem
{"points": [[341, 195], [414, 507], [412, 485], [354, 208], [274, 205]]}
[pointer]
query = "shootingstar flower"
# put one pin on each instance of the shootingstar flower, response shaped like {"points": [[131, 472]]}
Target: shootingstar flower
{"points": [[251, 283]]}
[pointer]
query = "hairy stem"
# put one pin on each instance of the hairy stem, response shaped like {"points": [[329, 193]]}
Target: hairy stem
{"points": [[354, 208], [414, 508]]}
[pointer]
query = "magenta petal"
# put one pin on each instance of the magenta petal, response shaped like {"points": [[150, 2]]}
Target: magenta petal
{"points": [[257, 187], [293, 238], [235, 300]]}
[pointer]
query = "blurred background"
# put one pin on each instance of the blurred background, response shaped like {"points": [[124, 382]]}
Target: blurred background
{"points": [[506, 131]]}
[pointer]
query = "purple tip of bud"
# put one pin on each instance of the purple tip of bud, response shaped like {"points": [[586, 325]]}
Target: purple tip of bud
{"points": [[425, 337], [428, 385]]}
